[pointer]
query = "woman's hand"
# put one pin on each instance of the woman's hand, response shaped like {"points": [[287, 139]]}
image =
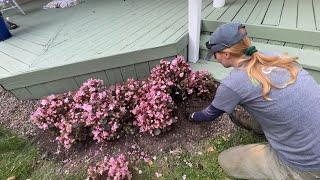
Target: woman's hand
{"points": [[190, 117]]}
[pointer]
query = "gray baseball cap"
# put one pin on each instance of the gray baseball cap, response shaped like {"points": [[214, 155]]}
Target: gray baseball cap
{"points": [[224, 36]]}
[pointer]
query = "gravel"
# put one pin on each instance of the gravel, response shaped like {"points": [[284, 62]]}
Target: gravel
{"points": [[15, 114]]}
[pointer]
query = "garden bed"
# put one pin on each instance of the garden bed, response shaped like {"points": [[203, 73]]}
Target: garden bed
{"points": [[15, 116], [137, 147]]}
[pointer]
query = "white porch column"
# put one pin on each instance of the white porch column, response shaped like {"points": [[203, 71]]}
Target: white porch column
{"points": [[194, 24]]}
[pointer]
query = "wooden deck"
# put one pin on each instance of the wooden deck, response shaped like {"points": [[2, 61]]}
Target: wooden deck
{"points": [[288, 21], [301, 14], [291, 26], [55, 50]]}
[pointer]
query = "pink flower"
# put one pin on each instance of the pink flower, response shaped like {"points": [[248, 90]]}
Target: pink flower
{"points": [[87, 107]]}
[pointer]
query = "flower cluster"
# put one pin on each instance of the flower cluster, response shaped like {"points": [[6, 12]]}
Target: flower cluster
{"points": [[154, 109], [50, 110], [101, 113], [121, 100], [52, 113], [201, 84], [113, 168]]}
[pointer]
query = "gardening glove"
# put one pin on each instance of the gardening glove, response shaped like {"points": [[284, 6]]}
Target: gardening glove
{"points": [[190, 116]]}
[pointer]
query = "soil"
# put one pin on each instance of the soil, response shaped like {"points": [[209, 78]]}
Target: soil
{"points": [[184, 134]]}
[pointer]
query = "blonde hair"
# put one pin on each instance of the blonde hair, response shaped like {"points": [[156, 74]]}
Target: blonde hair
{"points": [[257, 62]]}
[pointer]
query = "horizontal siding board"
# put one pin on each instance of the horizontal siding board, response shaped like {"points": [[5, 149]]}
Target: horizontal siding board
{"points": [[142, 70], [55, 87], [21, 93], [153, 63], [61, 86], [4, 72], [38, 91], [96, 75], [114, 75], [128, 72]]}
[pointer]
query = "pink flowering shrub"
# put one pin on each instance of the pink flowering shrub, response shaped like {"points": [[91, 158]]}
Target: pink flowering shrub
{"points": [[52, 114], [120, 101], [169, 83], [201, 84], [113, 168], [175, 75], [100, 113], [154, 110], [50, 110], [90, 102], [91, 109]]}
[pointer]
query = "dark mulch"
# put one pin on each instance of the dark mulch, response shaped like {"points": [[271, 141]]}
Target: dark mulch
{"points": [[15, 116]]}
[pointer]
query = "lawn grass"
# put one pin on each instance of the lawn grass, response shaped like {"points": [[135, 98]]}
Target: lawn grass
{"points": [[201, 165], [19, 158]]}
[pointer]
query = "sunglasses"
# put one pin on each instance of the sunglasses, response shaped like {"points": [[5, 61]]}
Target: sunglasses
{"points": [[209, 46]]}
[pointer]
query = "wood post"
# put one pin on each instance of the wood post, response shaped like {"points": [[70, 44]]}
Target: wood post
{"points": [[194, 23]]}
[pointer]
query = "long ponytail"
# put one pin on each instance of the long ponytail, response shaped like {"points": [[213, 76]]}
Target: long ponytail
{"points": [[257, 62]]}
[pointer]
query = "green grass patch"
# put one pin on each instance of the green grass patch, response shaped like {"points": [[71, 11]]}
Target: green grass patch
{"points": [[20, 159], [17, 156], [203, 165], [53, 171]]}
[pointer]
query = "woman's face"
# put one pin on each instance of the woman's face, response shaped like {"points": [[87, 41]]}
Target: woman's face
{"points": [[224, 58]]}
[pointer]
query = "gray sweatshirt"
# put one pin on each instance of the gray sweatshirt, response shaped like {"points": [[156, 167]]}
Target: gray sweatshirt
{"points": [[290, 121]]}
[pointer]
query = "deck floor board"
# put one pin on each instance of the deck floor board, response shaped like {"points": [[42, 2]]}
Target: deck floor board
{"points": [[289, 14], [55, 44], [292, 14], [258, 13], [306, 18], [273, 14], [316, 7], [95, 30], [245, 11]]}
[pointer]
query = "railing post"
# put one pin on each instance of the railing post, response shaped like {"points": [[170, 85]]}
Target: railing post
{"points": [[194, 23], [218, 3]]}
